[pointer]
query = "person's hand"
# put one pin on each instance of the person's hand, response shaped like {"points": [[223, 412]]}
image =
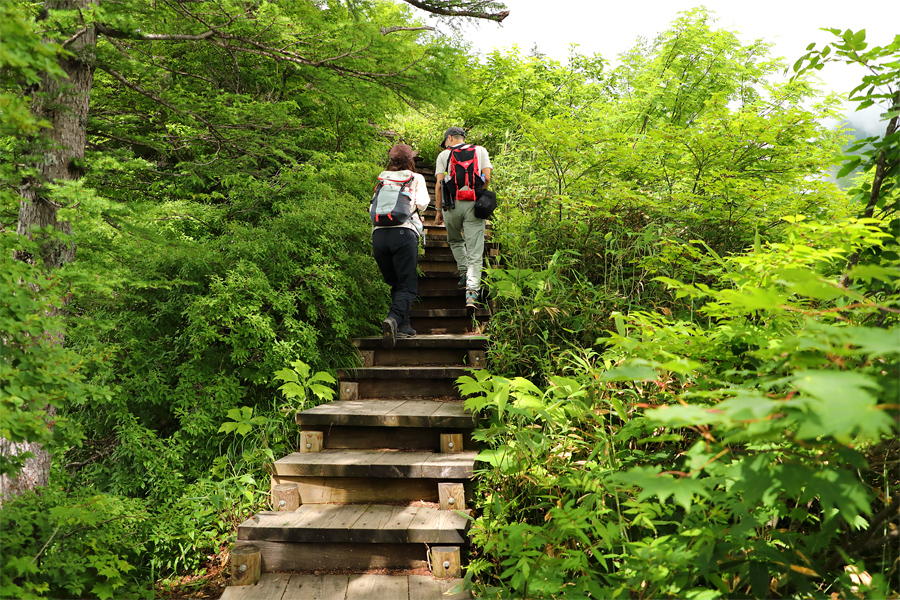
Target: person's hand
{"points": [[439, 219]]}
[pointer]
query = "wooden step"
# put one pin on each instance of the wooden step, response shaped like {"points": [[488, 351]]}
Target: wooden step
{"points": [[437, 258], [422, 373], [287, 586], [466, 341], [435, 263], [388, 413], [357, 524], [407, 387], [405, 381], [425, 357], [398, 438], [438, 313], [356, 490], [439, 243], [433, 325], [434, 274], [378, 463], [287, 556]]}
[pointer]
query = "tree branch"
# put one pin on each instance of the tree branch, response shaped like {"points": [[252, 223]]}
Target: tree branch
{"points": [[133, 86], [452, 12], [387, 30], [880, 167], [153, 37]]}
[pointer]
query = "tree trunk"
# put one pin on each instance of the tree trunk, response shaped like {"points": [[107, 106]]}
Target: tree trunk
{"points": [[64, 103]]}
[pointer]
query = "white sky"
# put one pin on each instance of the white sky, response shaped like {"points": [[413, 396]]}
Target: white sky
{"points": [[612, 27]]}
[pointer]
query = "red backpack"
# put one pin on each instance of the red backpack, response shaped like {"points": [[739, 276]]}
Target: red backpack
{"points": [[463, 174]]}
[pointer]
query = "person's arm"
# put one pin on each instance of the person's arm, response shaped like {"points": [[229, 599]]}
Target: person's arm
{"points": [[484, 160], [439, 216], [422, 199]]}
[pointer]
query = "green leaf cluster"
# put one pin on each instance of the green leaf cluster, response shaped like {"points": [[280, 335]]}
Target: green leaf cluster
{"points": [[61, 546], [732, 453]]}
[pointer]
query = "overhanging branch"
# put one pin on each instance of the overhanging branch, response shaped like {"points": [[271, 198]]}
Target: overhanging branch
{"points": [[459, 10], [387, 30]]}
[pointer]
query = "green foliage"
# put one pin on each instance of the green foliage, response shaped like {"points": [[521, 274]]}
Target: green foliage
{"points": [[878, 88], [303, 389], [59, 546], [25, 58], [38, 374], [715, 455], [221, 233], [203, 519], [541, 313]]}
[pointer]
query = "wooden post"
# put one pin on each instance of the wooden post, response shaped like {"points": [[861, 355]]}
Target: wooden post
{"points": [[477, 359], [349, 390], [246, 565], [452, 496], [445, 562], [286, 496], [451, 442], [311, 441], [367, 358]]}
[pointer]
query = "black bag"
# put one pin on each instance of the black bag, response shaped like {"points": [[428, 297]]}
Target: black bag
{"points": [[486, 204]]}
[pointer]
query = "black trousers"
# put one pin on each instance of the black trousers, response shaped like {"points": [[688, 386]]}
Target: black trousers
{"points": [[397, 253]]}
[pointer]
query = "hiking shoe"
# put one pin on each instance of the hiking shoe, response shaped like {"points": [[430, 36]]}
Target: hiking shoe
{"points": [[389, 333], [461, 284], [405, 331], [471, 299]]}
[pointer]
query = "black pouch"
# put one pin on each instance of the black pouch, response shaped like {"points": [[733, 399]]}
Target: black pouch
{"points": [[448, 201], [486, 204]]}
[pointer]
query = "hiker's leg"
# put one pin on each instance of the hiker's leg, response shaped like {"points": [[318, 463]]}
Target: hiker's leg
{"points": [[382, 250], [453, 219], [474, 239], [406, 257]]}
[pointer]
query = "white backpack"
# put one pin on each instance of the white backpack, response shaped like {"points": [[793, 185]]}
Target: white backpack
{"points": [[392, 201]]}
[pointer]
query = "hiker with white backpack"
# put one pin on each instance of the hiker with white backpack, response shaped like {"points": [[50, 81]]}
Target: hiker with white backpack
{"points": [[396, 227], [462, 170]]}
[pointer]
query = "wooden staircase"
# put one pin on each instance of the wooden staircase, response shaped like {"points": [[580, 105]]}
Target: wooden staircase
{"points": [[384, 473]]}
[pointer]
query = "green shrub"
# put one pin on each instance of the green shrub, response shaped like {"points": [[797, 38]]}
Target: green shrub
{"points": [[72, 546], [744, 451]]}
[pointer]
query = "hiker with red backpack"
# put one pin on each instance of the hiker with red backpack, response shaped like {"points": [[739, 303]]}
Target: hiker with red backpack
{"points": [[462, 171], [396, 227]]}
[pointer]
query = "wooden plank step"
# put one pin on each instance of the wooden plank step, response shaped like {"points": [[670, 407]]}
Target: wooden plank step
{"points": [[270, 586], [435, 265], [407, 387], [357, 524], [439, 372], [287, 556], [442, 292], [464, 340], [439, 243], [356, 490], [437, 258], [431, 273], [303, 586], [432, 325], [435, 313], [389, 464], [419, 357], [388, 413], [397, 438]]}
